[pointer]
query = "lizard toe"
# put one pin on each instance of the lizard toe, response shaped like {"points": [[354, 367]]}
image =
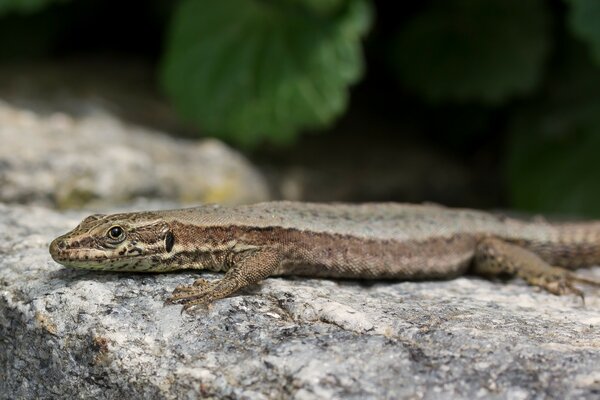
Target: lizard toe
{"points": [[188, 306], [187, 294], [183, 289], [200, 282], [561, 283]]}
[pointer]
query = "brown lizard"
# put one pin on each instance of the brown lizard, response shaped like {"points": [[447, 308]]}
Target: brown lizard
{"points": [[369, 241]]}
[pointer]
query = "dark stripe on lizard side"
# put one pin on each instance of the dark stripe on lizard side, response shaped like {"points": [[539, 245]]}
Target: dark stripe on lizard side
{"points": [[327, 254]]}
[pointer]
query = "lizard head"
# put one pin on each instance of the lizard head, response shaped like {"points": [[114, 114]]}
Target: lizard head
{"points": [[124, 242]]}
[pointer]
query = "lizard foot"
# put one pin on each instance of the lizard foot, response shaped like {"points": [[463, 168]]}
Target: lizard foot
{"points": [[251, 268], [560, 281], [191, 295], [202, 292], [496, 257], [556, 280]]}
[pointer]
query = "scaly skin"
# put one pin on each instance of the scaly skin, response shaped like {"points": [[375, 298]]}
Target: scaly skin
{"points": [[370, 241]]}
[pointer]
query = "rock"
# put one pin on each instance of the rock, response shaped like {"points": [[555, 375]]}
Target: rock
{"points": [[70, 161], [68, 333]]}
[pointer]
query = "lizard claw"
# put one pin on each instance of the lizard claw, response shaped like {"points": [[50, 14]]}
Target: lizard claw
{"points": [[584, 280], [185, 290], [204, 292], [187, 306], [192, 302], [565, 286], [192, 295], [561, 282]]}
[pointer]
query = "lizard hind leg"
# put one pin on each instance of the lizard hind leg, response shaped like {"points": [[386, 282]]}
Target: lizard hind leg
{"points": [[497, 257], [247, 270]]}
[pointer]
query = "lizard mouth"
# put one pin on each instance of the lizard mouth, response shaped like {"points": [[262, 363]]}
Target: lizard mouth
{"points": [[85, 257]]}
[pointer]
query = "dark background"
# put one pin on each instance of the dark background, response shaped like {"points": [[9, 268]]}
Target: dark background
{"points": [[491, 104]]}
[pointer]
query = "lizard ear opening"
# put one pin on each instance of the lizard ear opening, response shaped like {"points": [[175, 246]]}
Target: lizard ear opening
{"points": [[169, 241]]}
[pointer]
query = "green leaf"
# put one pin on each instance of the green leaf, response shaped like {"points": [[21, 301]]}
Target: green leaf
{"points": [[477, 50], [553, 152], [23, 6], [248, 69], [320, 7], [583, 21]]}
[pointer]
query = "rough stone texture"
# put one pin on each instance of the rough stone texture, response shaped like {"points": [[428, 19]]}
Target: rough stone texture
{"points": [[79, 334], [94, 159]]}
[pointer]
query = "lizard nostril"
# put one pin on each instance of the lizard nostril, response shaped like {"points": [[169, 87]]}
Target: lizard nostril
{"points": [[57, 247], [57, 244]]}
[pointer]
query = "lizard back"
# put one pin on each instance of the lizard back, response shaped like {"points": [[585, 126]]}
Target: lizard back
{"points": [[380, 221]]}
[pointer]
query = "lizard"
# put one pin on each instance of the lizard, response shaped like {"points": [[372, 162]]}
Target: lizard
{"points": [[363, 241]]}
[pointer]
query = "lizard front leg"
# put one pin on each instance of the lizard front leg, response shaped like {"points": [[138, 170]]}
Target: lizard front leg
{"points": [[246, 269], [497, 257]]}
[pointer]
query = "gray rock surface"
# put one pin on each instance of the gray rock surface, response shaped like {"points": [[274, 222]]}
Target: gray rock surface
{"points": [[94, 159], [79, 334]]}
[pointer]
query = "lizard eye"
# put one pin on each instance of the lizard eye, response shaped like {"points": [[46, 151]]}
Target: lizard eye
{"points": [[115, 232]]}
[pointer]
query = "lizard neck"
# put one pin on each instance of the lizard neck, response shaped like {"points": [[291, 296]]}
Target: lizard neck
{"points": [[197, 246]]}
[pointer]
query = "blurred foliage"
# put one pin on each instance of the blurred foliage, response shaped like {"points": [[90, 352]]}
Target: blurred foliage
{"points": [[23, 6], [555, 141], [521, 77], [248, 69], [37, 35], [556, 173], [473, 50], [584, 22]]}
